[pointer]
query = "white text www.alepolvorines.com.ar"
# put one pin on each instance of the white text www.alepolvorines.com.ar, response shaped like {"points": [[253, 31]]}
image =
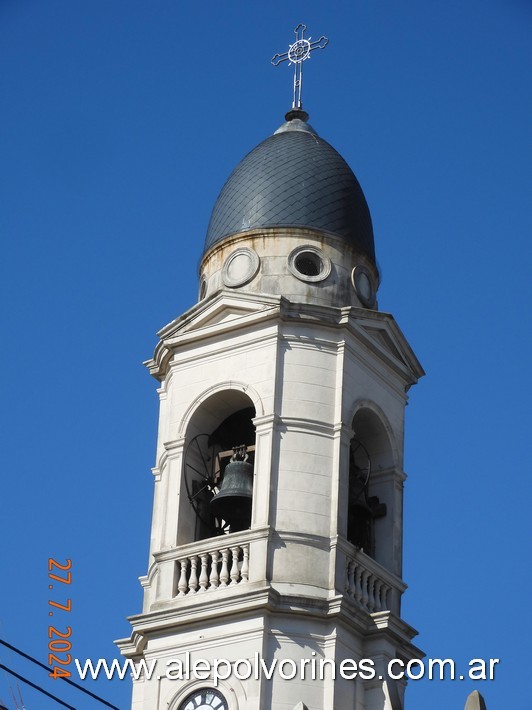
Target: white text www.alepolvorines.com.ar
{"points": [[313, 668]]}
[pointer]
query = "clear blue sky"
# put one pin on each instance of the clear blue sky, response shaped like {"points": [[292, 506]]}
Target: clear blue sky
{"points": [[119, 122]]}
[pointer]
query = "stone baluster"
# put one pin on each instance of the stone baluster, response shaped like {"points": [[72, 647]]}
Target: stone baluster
{"points": [[385, 596], [204, 577], [364, 584], [224, 574], [214, 579], [371, 592], [235, 572], [193, 578], [182, 585], [358, 583], [378, 594], [244, 572]]}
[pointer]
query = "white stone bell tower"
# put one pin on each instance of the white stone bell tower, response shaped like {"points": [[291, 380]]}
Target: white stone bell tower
{"points": [[282, 395]]}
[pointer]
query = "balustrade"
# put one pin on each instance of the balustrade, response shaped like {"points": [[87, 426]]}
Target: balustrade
{"points": [[366, 587], [212, 570]]}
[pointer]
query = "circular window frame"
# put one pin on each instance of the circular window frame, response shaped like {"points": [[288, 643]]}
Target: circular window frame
{"points": [[203, 288], [204, 689], [359, 271], [251, 273], [326, 265]]}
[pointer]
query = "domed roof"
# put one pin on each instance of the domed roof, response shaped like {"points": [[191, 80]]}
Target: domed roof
{"points": [[293, 179]]}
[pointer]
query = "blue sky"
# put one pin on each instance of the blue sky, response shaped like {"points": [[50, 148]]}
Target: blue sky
{"points": [[120, 121]]}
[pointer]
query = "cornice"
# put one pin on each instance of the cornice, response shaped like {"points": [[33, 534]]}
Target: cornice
{"points": [[259, 598], [377, 332], [385, 624]]}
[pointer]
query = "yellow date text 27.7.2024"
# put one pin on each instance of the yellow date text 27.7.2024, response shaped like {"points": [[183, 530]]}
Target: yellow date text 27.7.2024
{"points": [[59, 645]]}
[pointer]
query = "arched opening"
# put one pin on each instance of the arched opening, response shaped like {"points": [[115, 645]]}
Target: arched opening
{"points": [[370, 452], [218, 467]]}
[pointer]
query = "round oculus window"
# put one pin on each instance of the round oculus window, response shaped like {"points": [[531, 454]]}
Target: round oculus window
{"points": [[363, 285], [204, 699], [203, 288], [309, 264], [240, 267]]}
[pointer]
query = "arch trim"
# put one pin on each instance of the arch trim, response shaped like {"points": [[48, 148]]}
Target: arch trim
{"points": [[228, 385], [362, 404]]}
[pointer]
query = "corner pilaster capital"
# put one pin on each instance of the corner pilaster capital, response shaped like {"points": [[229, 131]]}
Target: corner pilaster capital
{"points": [[388, 475], [174, 447], [266, 421], [346, 432]]}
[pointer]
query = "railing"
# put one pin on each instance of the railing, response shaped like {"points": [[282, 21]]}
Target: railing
{"points": [[367, 586], [210, 570]]}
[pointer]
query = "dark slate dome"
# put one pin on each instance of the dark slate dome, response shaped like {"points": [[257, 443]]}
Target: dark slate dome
{"points": [[293, 179]]}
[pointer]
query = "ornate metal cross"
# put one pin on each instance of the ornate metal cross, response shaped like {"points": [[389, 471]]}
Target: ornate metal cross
{"points": [[296, 55]]}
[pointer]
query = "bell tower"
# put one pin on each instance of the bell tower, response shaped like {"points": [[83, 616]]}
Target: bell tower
{"points": [[276, 544]]}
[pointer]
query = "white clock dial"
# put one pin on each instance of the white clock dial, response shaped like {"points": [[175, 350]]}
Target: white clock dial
{"points": [[204, 699]]}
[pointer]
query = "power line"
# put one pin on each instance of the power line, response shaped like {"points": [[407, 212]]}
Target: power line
{"points": [[46, 668], [37, 687]]}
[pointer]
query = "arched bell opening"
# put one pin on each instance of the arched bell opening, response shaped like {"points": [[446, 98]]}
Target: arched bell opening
{"points": [[370, 453], [218, 467]]}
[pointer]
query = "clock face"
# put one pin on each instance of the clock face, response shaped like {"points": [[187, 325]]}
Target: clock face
{"points": [[204, 699]]}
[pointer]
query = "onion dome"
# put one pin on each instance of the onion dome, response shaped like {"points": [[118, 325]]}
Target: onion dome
{"points": [[294, 178]]}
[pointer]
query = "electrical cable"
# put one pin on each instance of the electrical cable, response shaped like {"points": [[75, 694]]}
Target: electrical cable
{"points": [[37, 687], [47, 668]]}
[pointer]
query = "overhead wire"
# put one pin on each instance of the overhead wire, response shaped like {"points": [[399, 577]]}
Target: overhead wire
{"points": [[67, 680], [36, 687]]}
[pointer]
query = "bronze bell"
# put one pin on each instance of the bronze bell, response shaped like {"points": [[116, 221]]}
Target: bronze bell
{"points": [[233, 501]]}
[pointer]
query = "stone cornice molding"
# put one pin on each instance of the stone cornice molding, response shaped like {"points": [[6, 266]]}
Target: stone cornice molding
{"points": [[259, 598], [306, 425], [303, 538], [385, 624], [311, 343], [397, 353], [242, 600], [376, 331], [174, 444], [384, 475], [196, 609], [203, 321], [393, 348], [132, 647], [147, 579], [172, 450]]}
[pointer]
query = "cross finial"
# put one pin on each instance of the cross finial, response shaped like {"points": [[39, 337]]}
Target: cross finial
{"points": [[296, 55]]}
